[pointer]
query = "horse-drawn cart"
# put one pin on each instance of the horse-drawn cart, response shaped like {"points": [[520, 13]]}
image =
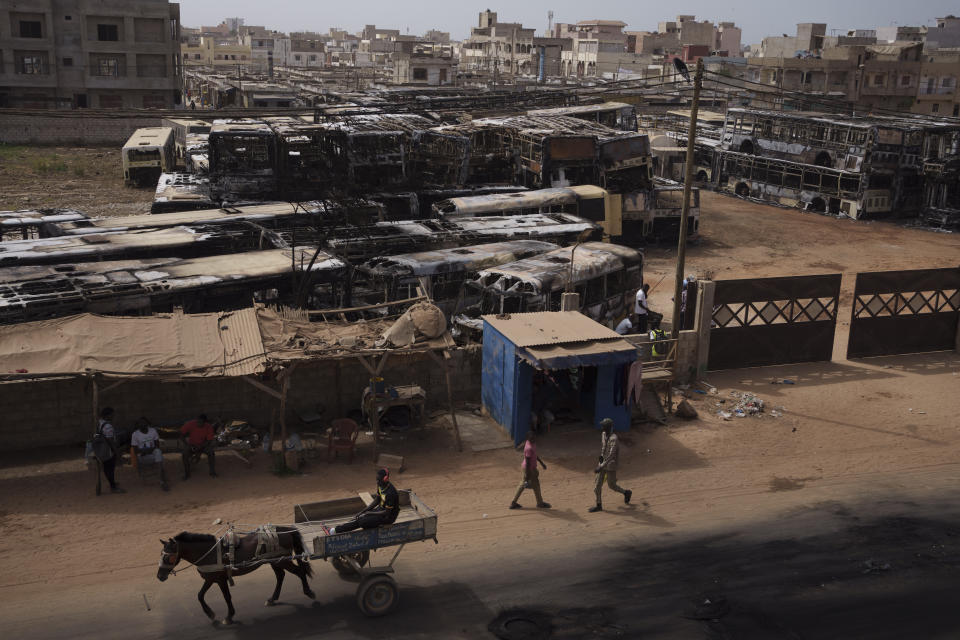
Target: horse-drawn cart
{"points": [[349, 552], [289, 548]]}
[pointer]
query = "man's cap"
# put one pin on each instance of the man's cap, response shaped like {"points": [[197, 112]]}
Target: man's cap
{"points": [[606, 422], [382, 473]]}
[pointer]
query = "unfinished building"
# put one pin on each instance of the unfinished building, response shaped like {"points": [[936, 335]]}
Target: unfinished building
{"points": [[941, 172]]}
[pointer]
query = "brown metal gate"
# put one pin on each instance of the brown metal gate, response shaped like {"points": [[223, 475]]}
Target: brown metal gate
{"points": [[765, 321], [904, 312]]}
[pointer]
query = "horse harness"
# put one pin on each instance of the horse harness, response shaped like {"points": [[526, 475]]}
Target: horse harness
{"points": [[268, 547]]}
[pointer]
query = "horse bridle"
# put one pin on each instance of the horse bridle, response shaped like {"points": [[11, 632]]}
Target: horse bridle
{"points": [[170, 560]]}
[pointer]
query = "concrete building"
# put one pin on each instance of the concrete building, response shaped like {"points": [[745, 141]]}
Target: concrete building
{"points": [[887, 35], [90, 53], [216, 51], [498, 47], [946, 35], [267, 48], [599, 48], [306, 52], [423, 68], [809, 38]]}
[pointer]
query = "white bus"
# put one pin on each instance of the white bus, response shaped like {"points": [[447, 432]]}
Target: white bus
{"points": [[148, 153]]}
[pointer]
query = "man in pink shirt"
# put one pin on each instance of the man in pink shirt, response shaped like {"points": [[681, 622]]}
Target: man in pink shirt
{"points": [[530, 474]]}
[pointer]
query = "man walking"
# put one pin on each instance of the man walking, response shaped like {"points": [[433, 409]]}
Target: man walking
{"points": [[607, 468], [530, 477], [105, 449], [197, 436]]}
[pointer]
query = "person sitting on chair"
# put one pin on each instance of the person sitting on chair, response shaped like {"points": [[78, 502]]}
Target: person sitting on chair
{"points": [[379, 512], [197, 436], [146, 442]]}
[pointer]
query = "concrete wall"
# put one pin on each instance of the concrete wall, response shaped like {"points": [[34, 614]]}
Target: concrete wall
{"points": [[79, 131], [59, 412]]}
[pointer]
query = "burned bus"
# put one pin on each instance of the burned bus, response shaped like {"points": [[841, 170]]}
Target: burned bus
{"points": [[358, 244], [440, 274], [616, 115], [605, 275], [148, 153], [631, 217]]}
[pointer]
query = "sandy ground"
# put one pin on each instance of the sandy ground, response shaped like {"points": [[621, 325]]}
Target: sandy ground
{"points": [[836, 520], [89, 179]]}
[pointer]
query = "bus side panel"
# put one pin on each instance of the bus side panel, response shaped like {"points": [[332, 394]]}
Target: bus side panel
{"points": [[613, 220]]}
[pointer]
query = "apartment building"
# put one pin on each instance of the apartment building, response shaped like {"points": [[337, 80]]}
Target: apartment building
{"points": [[498, 47], [107, 54], [216, 51]]}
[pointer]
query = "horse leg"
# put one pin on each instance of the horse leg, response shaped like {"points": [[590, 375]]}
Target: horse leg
{"points": [[226, 596], [207, 583], [276, 592], [301, 572]]}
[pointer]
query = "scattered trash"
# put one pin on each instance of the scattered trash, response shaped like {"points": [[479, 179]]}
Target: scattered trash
{"points": [[747, 404], [910, 409], [788, 381], [218, 521], [700, 391], [725, 415], [369, 433], [484, 515], [922, 412], [775, 413]]}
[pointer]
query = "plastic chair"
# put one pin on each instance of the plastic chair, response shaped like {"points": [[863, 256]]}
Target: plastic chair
{"points": [[343, 437]]}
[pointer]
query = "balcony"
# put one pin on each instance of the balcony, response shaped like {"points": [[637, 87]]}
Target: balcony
{"points": [[936, 91]]}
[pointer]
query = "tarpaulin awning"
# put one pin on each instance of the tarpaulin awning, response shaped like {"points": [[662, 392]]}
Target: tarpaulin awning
{"points": [[200, 345]]}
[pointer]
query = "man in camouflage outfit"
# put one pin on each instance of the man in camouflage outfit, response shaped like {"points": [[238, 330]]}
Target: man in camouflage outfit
{"points": [[607, 468]]}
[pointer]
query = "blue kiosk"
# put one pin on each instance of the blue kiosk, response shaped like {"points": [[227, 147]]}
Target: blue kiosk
{"points": [[517, 346]]}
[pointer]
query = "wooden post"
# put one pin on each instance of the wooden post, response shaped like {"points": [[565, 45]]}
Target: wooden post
{"points": [[446, 374], [685, 211], [284, 385]]}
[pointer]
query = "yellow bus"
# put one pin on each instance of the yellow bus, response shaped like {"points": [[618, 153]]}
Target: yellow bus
{"points": [[148, 153]]}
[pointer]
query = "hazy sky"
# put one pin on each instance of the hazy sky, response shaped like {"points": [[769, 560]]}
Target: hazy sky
{"points": [[757, 18]]}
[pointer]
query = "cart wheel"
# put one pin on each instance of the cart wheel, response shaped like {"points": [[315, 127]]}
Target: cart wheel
{"points": [[343, 567], [378, 595]]}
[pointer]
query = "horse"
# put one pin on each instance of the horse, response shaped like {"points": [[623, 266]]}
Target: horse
{"points": [[201, 550]]}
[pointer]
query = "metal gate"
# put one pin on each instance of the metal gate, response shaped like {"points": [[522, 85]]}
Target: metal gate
{"points": [[904, 312], [765, 321]]}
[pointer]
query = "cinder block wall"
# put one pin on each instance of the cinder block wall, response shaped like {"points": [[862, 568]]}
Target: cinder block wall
{"points": [[74, 130], [59, 412]]}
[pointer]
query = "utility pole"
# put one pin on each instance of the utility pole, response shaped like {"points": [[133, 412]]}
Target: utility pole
{"points": [[685, 211], [240, 83]]}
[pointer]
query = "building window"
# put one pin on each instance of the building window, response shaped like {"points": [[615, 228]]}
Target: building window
{"points": [[68, 17], [904, 81], [878, 80], [297, 58], [108, 67], [31, 29], [956, 110], [31, 64], [419, 73], [196, 56], [68, 62], [935, 108], [313, 58], [108, 33]]}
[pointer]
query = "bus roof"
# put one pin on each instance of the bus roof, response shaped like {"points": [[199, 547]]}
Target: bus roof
{"points": [[549, 271], [150, 136], [472, 258], [497, 202]]}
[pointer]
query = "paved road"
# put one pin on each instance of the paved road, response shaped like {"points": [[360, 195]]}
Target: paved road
{"points": [[875, 563]]}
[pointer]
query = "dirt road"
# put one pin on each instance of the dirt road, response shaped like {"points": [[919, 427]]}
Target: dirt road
{"points": [[845, 506]]}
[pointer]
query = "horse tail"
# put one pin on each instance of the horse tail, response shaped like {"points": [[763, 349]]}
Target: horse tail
{"points": [[299, 549]]}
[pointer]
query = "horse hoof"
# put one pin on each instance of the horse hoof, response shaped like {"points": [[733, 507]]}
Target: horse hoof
{"points": [[227, 622], [311, 595], [269, 603]]}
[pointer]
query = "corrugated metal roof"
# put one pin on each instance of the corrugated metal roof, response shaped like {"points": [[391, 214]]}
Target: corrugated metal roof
{"points": [[549, 327], [243, 350]]}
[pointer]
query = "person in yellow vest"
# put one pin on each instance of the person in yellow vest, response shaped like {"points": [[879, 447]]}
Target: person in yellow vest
{"points": [[383, 510], [657, 337]]}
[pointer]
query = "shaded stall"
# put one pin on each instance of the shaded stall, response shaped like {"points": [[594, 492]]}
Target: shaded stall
{"points": [[518, 346]]}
